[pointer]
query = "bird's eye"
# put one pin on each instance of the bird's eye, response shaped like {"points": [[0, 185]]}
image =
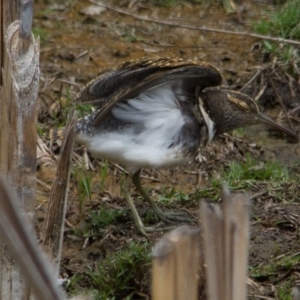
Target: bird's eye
{"points": [[241, 104]]}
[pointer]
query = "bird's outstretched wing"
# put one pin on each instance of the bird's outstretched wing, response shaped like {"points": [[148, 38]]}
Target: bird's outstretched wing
{"points": [[133, 77]]}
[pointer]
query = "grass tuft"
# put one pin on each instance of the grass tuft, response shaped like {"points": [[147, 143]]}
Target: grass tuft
{"points": [[254, 170], [173, 196], [121, 272], [84, 184], [97, 221], [284, 23]]}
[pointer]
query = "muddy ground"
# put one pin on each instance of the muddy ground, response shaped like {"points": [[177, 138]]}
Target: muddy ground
{"points": [[79, 39]]}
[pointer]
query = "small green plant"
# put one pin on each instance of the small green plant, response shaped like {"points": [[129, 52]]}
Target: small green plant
{"points": [[98, 220], [39, 32], [121, 272], [85, 187], [287, 262], [40, 130], [238, 174], [72, 283], [84, 184], [284, 291], [130, 35], [274, 269], [239, 132], [242, 176], [103, 173], [84, 110], [269, 47], [284, 23], [211, 193], [65, 103], [173, 195]]}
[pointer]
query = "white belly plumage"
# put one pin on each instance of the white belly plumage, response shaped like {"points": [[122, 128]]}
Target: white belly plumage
{"points": [[121, 148]]}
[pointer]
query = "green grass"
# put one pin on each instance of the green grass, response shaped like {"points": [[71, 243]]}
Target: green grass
{"points": [[98, 220], [103, 173], [84, 109], [240, 177], [276, 266], [85, 187], [83, 179], [284, 23], [243, 176], [239, 132], [210, 193], [66, 103], [273, 270], [253, 170], [40, 130], [173, 196], [124, 271], [119, 274], [284, 292], [41, 33]]}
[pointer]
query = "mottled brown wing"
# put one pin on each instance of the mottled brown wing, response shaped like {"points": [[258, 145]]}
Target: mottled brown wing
{"points": [[131, 78]]}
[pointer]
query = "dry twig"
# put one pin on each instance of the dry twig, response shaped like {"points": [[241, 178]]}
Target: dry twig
{"points": [[201, 28]]}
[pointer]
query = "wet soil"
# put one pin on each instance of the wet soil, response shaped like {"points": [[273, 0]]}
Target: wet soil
{"points": [[78, 40]]}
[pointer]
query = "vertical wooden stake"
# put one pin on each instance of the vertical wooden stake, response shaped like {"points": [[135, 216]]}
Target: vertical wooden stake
{"points": [[226, 246], [23, 248], [18, 124], [175, 265]]}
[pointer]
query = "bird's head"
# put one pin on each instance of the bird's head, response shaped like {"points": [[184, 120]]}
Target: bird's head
{"points": [[224, 110]]}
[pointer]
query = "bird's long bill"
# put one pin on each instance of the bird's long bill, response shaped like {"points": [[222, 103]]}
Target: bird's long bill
{"points": [[264, 119]]}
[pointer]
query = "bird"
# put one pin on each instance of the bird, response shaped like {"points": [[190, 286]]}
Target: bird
{"points": [[159, 113]]}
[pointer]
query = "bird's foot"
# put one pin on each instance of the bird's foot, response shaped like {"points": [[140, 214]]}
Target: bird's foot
{"points": [[171, 217], [168, 221], [161, 226], [177, 217]]}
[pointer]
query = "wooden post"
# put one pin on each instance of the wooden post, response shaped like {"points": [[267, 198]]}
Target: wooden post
{"points": [[226, 246], [18, 124], [177, 257], [175, 265], [23, 248]]}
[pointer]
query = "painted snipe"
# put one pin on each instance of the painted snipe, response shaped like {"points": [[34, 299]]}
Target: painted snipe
{"points": [[157, 113]]}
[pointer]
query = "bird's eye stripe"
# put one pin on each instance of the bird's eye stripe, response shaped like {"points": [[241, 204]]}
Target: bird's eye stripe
{"points": [[243, 105]]}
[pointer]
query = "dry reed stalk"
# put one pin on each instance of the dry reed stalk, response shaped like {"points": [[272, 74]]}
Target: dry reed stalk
{"points": [[226, 245], [56, 211], [175, 265]]}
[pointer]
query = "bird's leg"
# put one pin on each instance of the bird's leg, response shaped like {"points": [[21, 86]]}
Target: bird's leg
{"points": [[160, 214], [137, 220]]}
